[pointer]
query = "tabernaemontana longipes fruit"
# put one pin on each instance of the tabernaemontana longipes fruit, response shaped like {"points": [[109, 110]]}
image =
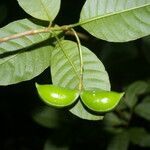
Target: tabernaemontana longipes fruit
{"points": [[57, 96], [100, 101]]}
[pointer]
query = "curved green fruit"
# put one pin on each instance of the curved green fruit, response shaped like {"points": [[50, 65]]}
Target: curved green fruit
{"points": [[100, 101], [57, 96]]}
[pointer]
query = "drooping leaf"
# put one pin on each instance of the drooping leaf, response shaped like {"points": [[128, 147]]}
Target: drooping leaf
{"points": [[81, 112], [116, 21], [112, 119], [41, 9], [140, 137], [143, 109], [133, 91], [23, 58], [119, 142], [65, 71]]}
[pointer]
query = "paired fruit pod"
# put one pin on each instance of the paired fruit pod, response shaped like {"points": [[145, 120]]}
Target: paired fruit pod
{"points": [[100, 101], [57, 96]]}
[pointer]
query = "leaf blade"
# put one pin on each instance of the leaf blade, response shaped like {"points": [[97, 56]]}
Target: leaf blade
{"points": [[143, 110], [108, 19], [119, 141], [140, 136], [46, 116], [41, 9], [24, 58], [133, 91]]}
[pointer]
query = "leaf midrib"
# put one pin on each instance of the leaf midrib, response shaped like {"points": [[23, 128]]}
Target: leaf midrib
{"points": [[8, 59], [45, 10], [67, 57], [108, 15]]}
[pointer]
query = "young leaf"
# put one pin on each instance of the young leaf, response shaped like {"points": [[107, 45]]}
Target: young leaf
{"points": [[23, 58], [133, 91], [119, 142], [140, 137], [41, 9], [143, 109], [65, 70], [116, 21], [111, 119]]}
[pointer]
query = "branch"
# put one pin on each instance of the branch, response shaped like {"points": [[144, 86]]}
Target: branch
{"points": [[80, 35], [32, 32], [64, 28], [18, 35]]}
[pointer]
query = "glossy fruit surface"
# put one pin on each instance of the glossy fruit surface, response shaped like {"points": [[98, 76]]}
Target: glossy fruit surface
{"points": [[57, 96], [101, 101]]}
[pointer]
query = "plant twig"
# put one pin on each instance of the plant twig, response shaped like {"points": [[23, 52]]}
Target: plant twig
{"points": [[32, 32], [80, 35], [26, 33], [64, 28]]}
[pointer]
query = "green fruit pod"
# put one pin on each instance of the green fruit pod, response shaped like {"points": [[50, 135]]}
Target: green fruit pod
{"points": [[100, 101], [57, 96]]}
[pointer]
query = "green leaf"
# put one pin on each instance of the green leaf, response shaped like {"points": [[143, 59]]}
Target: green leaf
{"points": [[41, 9], [143, 109], [65, 74], [24, 66], [46, 116], [116, 21], [119, 142], [112, 119], [24, 58], [113, 130], [133, 91], [81, 112], [140, 137], [122, 105]]}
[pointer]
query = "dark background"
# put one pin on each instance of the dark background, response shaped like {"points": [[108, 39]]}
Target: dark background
{"points": [[17, 129]]}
